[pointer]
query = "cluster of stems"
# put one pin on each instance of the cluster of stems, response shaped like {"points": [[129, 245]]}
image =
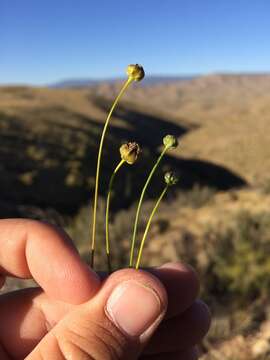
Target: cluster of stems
{"points": [[129, 153]]}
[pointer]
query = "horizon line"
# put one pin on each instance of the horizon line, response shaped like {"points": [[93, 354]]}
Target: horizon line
{"points": [[119, 78]]}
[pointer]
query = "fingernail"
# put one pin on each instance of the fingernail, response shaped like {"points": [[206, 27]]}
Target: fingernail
{"points": [[133, 307]]}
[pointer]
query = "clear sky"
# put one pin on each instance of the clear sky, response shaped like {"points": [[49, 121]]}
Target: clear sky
{"points": [[43, 41]]}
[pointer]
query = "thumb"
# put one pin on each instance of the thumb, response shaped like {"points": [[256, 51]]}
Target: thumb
{"points": [[116, 324]]}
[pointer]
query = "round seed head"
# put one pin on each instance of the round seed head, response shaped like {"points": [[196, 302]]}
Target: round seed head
{"points": [[135, 72], [170, 178], [170, 141], [129, 152]]}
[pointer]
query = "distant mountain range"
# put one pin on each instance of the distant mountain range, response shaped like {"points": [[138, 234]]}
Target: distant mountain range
{"points": [[150, 80]]}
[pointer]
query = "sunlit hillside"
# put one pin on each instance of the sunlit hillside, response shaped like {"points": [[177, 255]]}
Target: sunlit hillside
{"points": [[229, 115]]}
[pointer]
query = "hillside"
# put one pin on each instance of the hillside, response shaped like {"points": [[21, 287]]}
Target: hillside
{"points": [[217, 219], [229, 114], [50, 136]]}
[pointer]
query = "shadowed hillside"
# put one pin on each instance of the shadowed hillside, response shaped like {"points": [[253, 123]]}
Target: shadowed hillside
{"points": [[48, 150]]}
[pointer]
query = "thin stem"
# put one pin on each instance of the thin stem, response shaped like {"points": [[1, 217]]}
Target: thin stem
{"points": [[140, 204], [126, 84], [107, 214], [148, 226]]}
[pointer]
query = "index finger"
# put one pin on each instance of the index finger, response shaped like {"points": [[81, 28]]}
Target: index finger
{"points": [[33, 249]]}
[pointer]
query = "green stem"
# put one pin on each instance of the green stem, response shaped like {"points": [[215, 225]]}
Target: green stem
{"points": [[148, 226], [140, 204], [107, 214], [126, 84]]}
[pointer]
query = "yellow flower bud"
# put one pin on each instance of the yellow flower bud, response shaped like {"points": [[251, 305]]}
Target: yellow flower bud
{"points": [[170, 141], [170, 178], [129, 152], [135, 72]]}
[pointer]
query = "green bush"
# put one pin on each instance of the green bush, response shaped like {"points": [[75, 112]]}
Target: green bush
{"points": [[240, 264]]}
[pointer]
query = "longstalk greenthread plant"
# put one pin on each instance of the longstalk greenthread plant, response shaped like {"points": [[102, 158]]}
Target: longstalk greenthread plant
{"points": [[129, 153], [135, 73], [169, 142]]}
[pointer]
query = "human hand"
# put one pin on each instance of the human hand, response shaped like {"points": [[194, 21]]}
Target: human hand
{"points": [[74, 314]]}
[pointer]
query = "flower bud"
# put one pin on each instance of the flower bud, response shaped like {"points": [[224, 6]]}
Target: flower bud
{"points": [[170, 178], [129, 152], [170, 141], [135, 72]]}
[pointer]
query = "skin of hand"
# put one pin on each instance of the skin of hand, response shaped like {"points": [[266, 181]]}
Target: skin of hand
{"points": [[76, 314]]}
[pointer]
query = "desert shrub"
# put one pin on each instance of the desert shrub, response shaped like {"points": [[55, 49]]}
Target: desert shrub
{"points": [[122, 221], [121, 228], [240, 263], [196, 197], [266, 186]]}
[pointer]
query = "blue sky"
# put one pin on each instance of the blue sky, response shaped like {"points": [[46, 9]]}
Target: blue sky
{"points": [[43, 41]]}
